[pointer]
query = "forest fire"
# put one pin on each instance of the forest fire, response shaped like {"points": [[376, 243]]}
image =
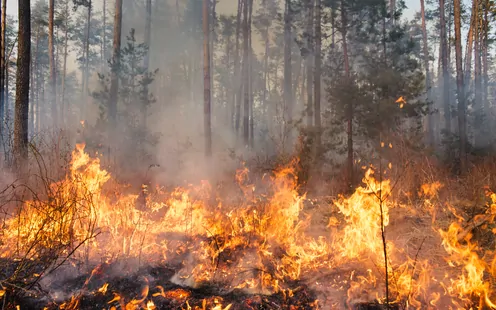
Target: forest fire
{"points": [[87, 244]]}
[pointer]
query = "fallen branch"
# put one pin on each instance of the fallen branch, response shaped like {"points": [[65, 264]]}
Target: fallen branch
{"points": [[476, 222]]}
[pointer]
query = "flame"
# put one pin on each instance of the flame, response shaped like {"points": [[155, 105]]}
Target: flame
{"points": [[260, 241], [362, 212]]}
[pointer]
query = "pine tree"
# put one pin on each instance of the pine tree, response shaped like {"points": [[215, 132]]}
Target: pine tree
{"points": [[22, 83]]}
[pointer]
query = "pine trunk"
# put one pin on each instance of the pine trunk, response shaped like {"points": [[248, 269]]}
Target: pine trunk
{"points": [[317, 72], [470, 49], [64, 69], [104, 35], [485, 43], [288, 100], [6, 86], [250, 76], [429, 129], [53, 90], [22, 83], [309, 62], [206, 80], [236, 102], [246, 91], [460, 88], [86, 63], [445, 72], [265, 102], [350, 174], [228, 87], [114, 83], [211, 22], [35, 108], [479, 109], [3, 68]]}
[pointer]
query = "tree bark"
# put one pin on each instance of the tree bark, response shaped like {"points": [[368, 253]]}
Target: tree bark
{"points": [[469, 51], [64, 69], [228, 88], [485, 43], [250, 76], [349, 114], [206, 79], [460, 88], [237, 77], [429, 129], [246, 91], [317, 72], [3, 68], [309, 62], [114, 83], [53, 90], [445, 72], [22, 83], [35, 112], [288, 99], [265, 102], [86, 62], [6, 89], [479, 109], [104, 36], [211, 22]]}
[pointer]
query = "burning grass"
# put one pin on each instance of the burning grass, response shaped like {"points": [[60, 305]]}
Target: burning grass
{"points": [[87, 243]]}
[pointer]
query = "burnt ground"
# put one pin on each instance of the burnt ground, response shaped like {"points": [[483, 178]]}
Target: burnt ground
{"points": [[162, 291], [82, 292]]}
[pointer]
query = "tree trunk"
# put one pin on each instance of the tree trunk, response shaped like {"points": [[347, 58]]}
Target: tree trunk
{"points": [[211, 23], [317, 72], [87, 61], [350, 174], [392, 10], [479, 109], [53, 91], [460, 88], [35, 115], [470, 49], [448, 35], [250, 76], [64, 69], [309, 62], [237, 78], [265, 103], [228, 86], [206, 80], [22, 83], [104, 36], [485, 43], [429, 129], [288, 100], [6, 89], [445, 72], [85, 74], [3, 68], [246, 90], [114, 83]]}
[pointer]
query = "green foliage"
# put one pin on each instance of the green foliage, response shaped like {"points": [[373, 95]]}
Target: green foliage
{"points": [[78, 38], [385, 66], [134, 99]]}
